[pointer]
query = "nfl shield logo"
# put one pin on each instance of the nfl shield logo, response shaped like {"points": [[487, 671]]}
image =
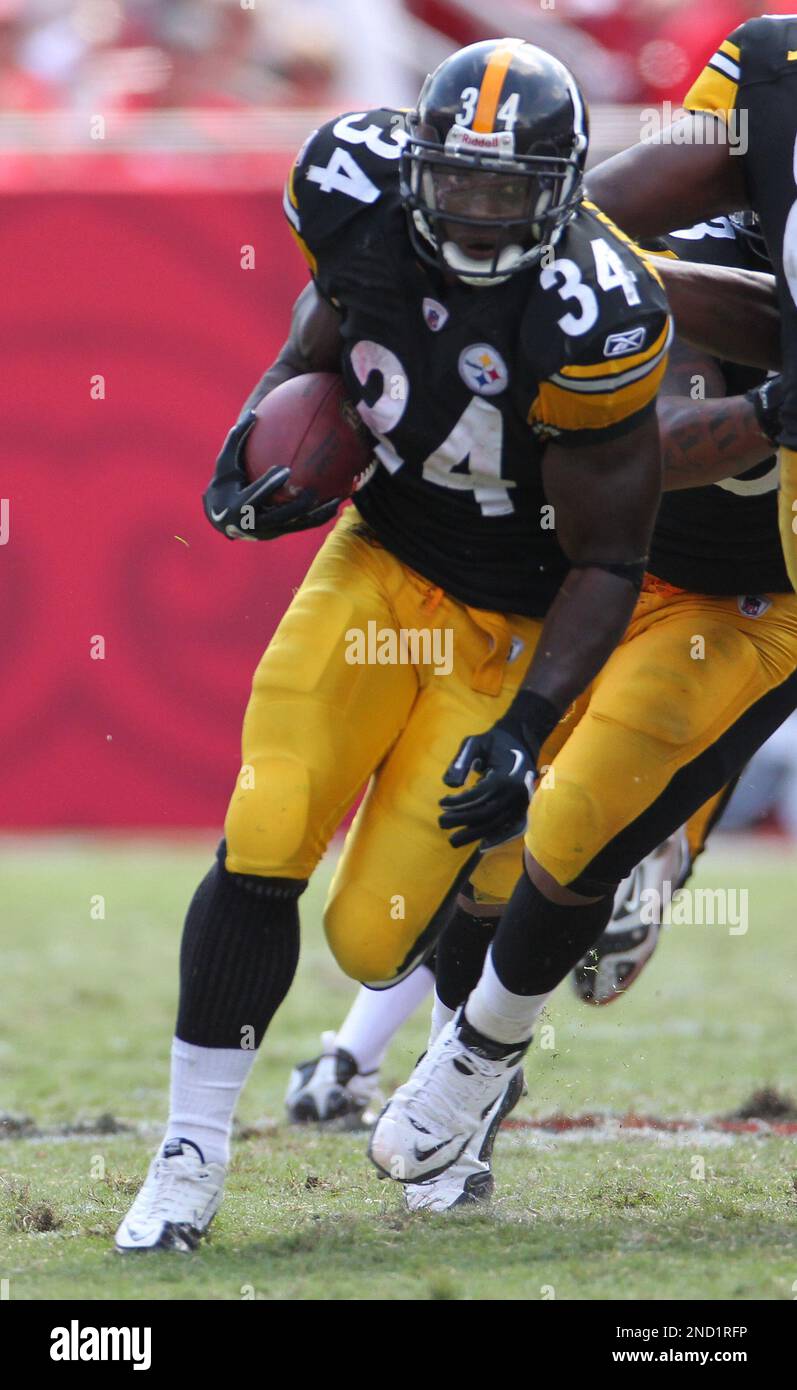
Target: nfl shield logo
{"points": [[435, 314]]}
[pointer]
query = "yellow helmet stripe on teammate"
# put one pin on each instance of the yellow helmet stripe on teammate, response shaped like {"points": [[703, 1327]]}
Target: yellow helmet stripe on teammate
{"points": [[492, 85]]}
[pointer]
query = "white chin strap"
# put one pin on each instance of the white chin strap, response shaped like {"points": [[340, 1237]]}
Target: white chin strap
{"points": [[466, 268]]}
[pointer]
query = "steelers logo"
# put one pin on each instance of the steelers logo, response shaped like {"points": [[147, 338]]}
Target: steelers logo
{"points": [[483, 370]]}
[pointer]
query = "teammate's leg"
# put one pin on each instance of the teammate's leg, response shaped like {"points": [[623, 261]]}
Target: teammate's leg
{"points": [[342, 1082], [656, 740], [632, 934]]}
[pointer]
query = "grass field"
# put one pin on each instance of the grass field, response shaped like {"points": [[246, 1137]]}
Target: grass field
{"points": [[86, 1012]]}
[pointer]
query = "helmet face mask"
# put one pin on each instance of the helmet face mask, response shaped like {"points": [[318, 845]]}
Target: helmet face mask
{"points": [[468, 208], [481, 203]]}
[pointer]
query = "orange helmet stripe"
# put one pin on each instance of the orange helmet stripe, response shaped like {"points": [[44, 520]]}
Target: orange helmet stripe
{"points": [[490, 90]]}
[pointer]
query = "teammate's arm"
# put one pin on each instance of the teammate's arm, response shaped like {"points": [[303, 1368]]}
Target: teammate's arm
{"points": [[726, 312], [688, 175], [713, 437]]}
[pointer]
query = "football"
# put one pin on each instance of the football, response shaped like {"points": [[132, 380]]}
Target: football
{"points": [[308, 425]]}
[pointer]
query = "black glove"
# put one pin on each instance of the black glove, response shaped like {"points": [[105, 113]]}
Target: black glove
{"points": [[230, 491], [767, 400], [495, 810]]}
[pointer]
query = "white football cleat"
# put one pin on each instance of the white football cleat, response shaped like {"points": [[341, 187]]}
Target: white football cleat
{"points": [[330, 1089], [180, 1196], [623, 950], [431, 1118], [469, 1181]]}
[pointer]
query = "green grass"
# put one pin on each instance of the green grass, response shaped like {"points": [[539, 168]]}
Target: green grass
{"points": [[86, 1012]]}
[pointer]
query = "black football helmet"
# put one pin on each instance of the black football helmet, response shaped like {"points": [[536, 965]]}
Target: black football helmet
{"points": [[492, 168], [749, 227]]}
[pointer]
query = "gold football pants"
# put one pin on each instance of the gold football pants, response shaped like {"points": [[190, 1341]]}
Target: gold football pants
{"points": [[321, 723], [375, 676]]}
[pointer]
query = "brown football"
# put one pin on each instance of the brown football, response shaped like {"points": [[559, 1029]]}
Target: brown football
{"points": [[308, 425]]}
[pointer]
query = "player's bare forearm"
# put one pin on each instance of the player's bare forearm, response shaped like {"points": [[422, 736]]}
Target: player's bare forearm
{"points": [[582, 627], [687, 175], [704, 442], [605, 501], [732, 314], [706, 436], [313, 345]]}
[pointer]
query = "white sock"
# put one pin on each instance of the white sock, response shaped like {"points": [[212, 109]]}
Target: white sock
{"points": [[495, 1011], [441, 1015], [206, 1084], [377, 1014]]}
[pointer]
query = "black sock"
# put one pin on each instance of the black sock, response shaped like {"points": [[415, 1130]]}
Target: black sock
{"points": [[238, 957], [538, 941], [461, 953]]}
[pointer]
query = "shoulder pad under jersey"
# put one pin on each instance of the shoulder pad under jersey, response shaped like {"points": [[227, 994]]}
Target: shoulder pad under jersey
{"points": [[602, 316], [345, 167]]}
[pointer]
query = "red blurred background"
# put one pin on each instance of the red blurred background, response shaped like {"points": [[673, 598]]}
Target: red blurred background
{"points": [[122, 260]]}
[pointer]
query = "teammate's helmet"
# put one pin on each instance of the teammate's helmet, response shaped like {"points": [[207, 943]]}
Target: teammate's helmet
{"points": [[749, 227], [492, 168]]}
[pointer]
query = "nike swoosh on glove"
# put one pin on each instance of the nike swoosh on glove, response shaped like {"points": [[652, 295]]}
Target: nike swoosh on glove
{"points": [[242, 510], [494, 811]]}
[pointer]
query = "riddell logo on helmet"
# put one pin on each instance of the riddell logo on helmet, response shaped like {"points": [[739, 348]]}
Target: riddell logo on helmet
{"points": [[501, 142]]}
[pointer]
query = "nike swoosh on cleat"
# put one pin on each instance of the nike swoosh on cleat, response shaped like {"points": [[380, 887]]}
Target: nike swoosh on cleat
{"points": [[423, 1154], [218, 516]]}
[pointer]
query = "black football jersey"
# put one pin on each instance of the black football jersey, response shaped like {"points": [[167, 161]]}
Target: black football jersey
{"points": [[462, 387], [722, 539], [751, 81]]}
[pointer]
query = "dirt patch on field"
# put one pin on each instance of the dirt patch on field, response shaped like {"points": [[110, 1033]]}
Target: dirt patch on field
{"points": [[23, 1127], [17, 1126], [778, 1121], [766, 1104], [27, 1213]]}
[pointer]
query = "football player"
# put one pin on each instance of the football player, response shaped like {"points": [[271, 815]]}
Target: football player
{"points": [[716, 535], [504, 344], [734, 149]]}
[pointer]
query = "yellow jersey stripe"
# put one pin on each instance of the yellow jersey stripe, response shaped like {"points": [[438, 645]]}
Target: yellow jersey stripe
{"points": [[619, 365], [569, 410], [291, 186], [713, 92], [732, 49], [304, 248], [490, 90]]}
